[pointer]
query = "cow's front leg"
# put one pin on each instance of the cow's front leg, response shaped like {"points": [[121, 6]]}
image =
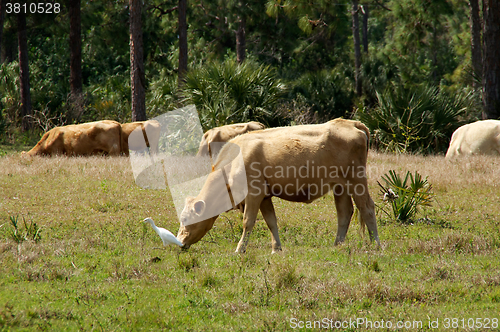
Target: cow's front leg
{"points": [[249, 217], [343, 203], [267, 209]]}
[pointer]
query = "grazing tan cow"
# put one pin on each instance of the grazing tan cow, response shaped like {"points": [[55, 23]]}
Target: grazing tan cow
{"points": [[298, 164], [150, 130], [224, 134], [80, 140], [480, 137]]}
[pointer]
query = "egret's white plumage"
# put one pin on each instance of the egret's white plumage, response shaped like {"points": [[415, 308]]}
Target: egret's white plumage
{"points": [[390, 195], [166, 236]]}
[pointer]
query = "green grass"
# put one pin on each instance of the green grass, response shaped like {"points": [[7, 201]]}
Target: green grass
{"points": [[98, 267]]}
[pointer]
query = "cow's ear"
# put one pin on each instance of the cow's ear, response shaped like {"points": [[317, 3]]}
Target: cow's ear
{"points": [[199, 207]]}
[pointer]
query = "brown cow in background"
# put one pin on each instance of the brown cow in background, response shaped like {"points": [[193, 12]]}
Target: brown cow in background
{"points": [[150, 130], [80, 140]]}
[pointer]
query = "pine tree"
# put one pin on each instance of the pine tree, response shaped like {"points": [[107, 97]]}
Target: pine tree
{"points": [[137, 76], [24, 72], [491, 60]]}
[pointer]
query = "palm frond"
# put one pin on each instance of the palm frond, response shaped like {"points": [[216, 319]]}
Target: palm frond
{"points": [[229, 92]]}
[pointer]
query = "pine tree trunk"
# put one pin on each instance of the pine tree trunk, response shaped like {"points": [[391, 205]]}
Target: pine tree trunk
{"points": [[2, 19], [365, 28], [491, 61], [357, 50], [477, 58], [241, 41], [24, 72], [183, 47], [75, 44], [137, 77]]}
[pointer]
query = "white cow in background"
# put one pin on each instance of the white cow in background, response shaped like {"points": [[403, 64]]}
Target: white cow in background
{"points": [[481, 137]]}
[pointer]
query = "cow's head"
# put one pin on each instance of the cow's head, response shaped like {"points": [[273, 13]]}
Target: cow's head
{"points": [[224, 187], [193, 226]]}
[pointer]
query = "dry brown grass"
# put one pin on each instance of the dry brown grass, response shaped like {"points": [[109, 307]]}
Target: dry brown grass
{"points": [[443, 174], [95, 166]]}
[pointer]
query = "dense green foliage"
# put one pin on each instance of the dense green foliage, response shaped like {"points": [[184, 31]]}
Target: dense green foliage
{"points": [[231, 93], [329, 93], [306, 47], [417, 119]]}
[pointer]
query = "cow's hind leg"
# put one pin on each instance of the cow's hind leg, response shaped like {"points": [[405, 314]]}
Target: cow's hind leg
{"points": [[343, 203], [366, 209], [249, 217], [267, 209]]}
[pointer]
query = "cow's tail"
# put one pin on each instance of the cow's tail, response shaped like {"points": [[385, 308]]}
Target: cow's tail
{"points": [[361, 126], [362, 224]]}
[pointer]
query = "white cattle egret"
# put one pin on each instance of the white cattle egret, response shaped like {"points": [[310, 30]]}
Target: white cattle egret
{"points": [[166, 236], [390, 195]]}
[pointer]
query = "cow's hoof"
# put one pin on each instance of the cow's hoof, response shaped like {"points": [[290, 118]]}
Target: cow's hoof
{"points": [[276, 251]]}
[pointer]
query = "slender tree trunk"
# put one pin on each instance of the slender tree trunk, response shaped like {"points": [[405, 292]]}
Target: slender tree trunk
{"points": [[366, 14], [137, 77], [2, 19], [24, 72], [75, 44], [183, 47], [357, 50], [434, 53], [491, 61], [476, 55], [241, 40]]}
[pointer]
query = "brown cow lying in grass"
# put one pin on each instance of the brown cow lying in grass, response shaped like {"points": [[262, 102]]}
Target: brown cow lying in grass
{"points": [[224, 134], [150, 130], [80, 140], [480, 137], [299, 164]]}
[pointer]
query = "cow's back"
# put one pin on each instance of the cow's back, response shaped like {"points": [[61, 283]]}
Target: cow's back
{"points": [[333, 142], [92, 138], [80, 139]]}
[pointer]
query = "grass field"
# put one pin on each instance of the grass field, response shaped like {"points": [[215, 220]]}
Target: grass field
{"points": [[98, 267]]}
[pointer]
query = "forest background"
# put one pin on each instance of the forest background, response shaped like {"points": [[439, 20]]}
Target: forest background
{"points": [[410, 69]]}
